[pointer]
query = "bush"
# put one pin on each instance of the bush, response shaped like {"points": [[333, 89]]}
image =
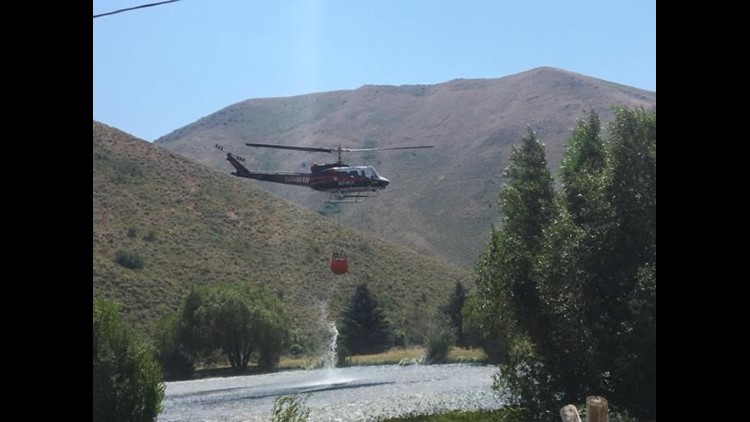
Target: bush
{"points": [[290, 409], [129, 260], [343, 355], [479, 330], [150, 237], [171, 350], [440, 337], [399, 339], [126, 380], [242, 321], [296, 350]]}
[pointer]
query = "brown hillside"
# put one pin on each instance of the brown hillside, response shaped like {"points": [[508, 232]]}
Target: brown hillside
{"points": [[189, 224], [441, 201]]}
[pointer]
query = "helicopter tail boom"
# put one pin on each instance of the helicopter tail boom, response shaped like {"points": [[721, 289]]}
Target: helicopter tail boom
{"points": [[301, 179]]}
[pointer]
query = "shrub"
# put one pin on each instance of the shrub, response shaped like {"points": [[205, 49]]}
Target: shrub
{"points": [[150, 237], [440, 337], [290, 409], [399, 338], [171, 351], [127, 382], [129, 260]]}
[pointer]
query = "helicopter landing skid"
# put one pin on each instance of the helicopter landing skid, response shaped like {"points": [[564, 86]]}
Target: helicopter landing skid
{"points": [[338, 198]]}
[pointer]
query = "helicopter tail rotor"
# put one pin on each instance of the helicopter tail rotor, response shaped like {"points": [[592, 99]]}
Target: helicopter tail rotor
{"points": [[235, 156]]}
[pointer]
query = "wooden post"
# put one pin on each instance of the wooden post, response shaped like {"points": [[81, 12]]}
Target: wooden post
{"points": [[569, 413], [597, 409]]}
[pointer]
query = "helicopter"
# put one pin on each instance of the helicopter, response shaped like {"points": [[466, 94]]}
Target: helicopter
{"points": [[343, 182]]}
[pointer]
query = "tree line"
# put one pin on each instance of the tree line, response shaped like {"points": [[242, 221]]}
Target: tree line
{"points": [[566, 288]]}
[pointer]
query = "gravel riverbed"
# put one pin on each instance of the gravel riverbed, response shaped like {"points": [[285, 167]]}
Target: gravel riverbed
{"points": [[364, 393]]}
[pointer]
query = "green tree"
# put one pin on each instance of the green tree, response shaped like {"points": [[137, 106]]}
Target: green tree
{"points": [[242, 321], [566, 351], [234, 325], [507, 293], [597, 274], [441, 335], [171, 351], [183, 339], [481, 329], [364, 328], [625, 264], [192, 330], [587, 323], [274, 331], [562, 270], [581, 169], [453, 309], [126, 380], [527, 201]]}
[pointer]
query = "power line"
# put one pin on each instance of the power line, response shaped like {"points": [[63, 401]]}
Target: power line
{"points": [[133, 8]]}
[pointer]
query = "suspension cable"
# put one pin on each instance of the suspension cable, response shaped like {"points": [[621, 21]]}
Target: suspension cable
{"points": [[133, 8]]}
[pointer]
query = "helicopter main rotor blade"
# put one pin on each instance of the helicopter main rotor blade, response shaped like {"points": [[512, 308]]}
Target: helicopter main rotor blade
{"points": [[292, 148], [338, 149], [383, 149]]}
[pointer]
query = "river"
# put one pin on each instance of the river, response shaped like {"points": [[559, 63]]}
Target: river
{"points": [[361, 393]]}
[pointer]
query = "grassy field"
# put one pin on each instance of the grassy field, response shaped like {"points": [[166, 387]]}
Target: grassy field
{"points": [[408, 355], [506, 414], [391, 357]]}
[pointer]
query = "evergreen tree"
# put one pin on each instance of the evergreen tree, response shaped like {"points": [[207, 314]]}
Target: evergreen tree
{"points": [[363, 328], [453, 310]]}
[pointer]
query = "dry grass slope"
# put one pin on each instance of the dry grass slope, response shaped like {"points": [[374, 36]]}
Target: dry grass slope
{"points": [[188, 224]]}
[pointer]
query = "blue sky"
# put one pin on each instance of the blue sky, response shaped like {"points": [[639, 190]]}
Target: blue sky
{"points": [[160, 68]]}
